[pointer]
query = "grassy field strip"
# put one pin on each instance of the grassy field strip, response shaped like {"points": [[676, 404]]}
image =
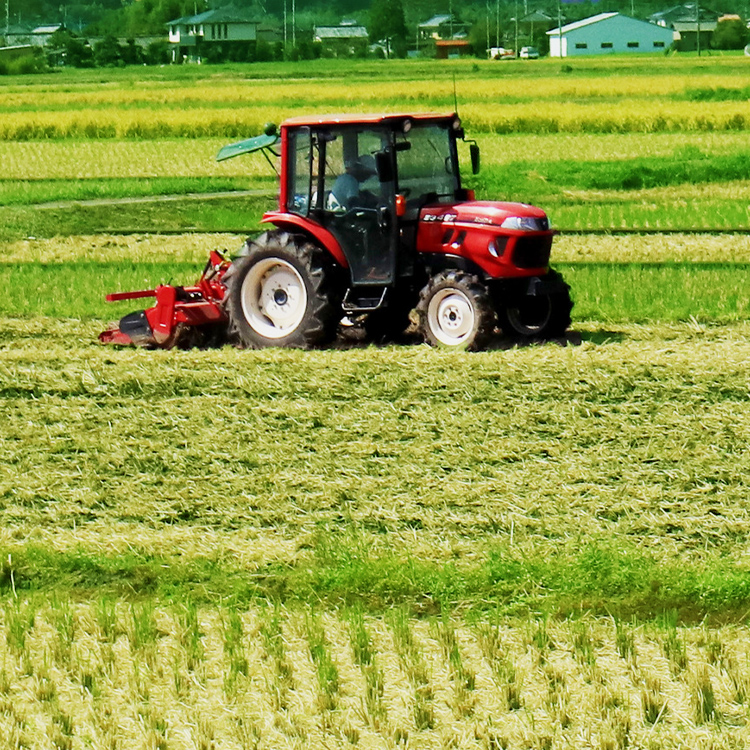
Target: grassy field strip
{"points": [[49, 194], [631, 116], [175, 215], [184, 248], [194, 248], [614, 292], [705, 215], [92, 159], [112, 674], [195, 157], [614, 278], [488, 83]]}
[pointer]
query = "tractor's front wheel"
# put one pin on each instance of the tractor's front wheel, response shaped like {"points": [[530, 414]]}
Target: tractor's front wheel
{"points": [[455, 311], [280, 293], [539, 316]]}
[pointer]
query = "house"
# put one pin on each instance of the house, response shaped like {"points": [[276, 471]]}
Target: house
{"points": [[348, 39], [15, 34], [692, 25], [445, 26], [42, 34], [607, 33], [214, 31]]}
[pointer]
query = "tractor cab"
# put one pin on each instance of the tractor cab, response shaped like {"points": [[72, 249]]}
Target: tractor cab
{"points": [[363, 181]]}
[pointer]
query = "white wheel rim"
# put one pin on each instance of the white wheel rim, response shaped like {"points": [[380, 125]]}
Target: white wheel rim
{"points": [[274, 298], [451, 317]]}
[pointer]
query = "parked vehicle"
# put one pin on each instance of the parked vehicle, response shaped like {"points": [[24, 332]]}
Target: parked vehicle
{"points": [[529, 53]]}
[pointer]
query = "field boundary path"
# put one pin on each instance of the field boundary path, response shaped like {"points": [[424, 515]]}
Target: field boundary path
{"points": [[154, 198], [260, 193]]}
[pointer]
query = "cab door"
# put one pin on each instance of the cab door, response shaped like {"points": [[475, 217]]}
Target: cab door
{"points": [[364, 224]]}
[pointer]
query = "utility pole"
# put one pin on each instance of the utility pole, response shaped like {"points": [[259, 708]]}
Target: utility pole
{"points": [[487, 9], [497, 23], [698, 22], [285, 39], [294, 23], [559, 29]]}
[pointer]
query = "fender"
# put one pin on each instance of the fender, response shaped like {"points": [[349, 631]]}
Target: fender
{"points": [[324, 238], [435, 262]]}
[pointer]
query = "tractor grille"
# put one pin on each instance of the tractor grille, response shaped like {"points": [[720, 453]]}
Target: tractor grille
{"points": [[532, 252]]}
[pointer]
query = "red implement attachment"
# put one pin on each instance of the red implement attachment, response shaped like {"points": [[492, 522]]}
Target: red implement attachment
{"points": [[179, 314]]}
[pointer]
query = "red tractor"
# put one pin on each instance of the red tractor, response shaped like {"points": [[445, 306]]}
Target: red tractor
{"points": [[372, 223]]}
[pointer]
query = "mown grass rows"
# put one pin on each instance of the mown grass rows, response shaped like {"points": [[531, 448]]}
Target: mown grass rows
{"points": [[612, 473], [118, 674]]}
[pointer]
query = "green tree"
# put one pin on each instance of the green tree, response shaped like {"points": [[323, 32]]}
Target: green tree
{"points": [[388, 24], [730, 34], [78, 53], [108, 52]]}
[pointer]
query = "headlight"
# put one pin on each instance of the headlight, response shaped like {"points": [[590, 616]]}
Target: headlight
{"points": [[525, 223]]}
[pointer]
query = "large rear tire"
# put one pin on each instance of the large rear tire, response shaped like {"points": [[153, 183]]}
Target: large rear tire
{"points": [[540, 316], [280, 293], [455, 311]]}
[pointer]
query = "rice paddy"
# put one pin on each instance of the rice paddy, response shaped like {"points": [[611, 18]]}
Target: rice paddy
{"points": [[108, 675], [530, 547]]}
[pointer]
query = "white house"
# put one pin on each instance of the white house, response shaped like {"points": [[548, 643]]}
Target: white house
{"points": [[607, 33], [191, 33]]}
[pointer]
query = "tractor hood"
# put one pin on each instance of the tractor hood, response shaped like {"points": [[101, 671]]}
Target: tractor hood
{"points": [[489, 213]]}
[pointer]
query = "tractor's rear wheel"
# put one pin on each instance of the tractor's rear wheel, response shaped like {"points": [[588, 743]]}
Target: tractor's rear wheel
{"points": [[280, 293], [539, 316], [455, 311]]}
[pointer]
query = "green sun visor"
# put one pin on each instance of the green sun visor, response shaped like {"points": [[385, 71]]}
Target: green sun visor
{"points": [[247, 147]]}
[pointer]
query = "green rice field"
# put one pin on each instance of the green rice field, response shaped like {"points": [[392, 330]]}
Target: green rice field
{"points": [[540, 546]]}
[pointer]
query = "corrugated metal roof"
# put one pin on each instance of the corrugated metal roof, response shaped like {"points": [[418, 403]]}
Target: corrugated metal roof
{"points": [[584, 22], [340, 32], [436, 21]]}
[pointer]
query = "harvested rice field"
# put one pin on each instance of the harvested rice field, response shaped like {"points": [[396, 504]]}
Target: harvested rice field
{"points": [[109, 675], [534, 547]]}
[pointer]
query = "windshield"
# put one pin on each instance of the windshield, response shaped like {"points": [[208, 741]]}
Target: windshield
{"points": [[428, 165]]}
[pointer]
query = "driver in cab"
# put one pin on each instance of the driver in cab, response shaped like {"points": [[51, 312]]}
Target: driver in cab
{"points": [[347, 190]]}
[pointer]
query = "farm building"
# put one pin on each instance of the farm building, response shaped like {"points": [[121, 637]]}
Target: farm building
{"points": [[607, 33]]}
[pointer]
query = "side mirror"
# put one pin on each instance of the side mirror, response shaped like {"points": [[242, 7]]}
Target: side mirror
{"points": [[384, 166], [474, 151]]}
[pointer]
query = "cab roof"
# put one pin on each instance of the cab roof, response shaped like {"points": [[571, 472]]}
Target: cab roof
{"points": [[359, 119]]}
